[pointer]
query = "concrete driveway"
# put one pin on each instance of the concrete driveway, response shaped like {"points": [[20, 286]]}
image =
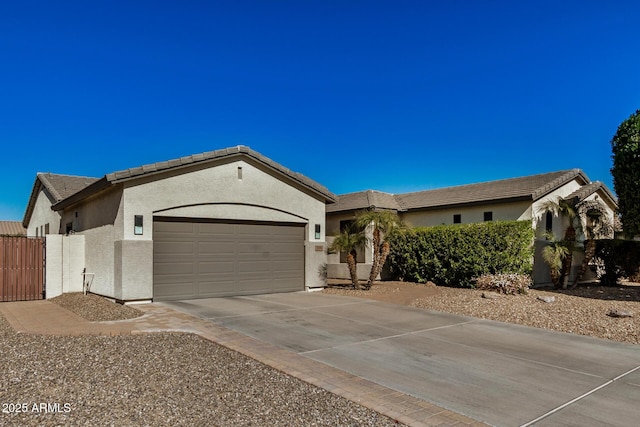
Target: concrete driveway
{"points": [[502, 374]]}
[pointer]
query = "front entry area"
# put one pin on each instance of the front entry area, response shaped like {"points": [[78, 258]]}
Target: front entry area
{"points": [[202, 259]]}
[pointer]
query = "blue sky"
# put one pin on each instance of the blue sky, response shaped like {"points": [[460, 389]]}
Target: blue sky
{"points": [[390, 95]]}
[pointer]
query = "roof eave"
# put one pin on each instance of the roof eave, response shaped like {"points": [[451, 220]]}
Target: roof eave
{"points": [[216, 156], [605, 190], [472, 203], [559, 182], [32, 202], [364, 208], [613, 199]]}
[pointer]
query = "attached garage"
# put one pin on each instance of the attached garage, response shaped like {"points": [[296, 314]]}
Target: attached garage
{"points": [[221, 223], [202, 259]]}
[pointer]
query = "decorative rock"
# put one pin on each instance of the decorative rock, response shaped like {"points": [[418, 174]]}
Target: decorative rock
{"points": [[547, 299], [619, 313], [490, 295]]}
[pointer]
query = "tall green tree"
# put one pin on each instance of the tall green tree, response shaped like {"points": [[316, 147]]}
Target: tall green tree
{"points": [[349, 240], [626, 173], [382, 224]]}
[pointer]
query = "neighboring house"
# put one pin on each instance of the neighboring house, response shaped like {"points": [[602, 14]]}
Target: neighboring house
{"points": [[510, 199], [12, 228], [225, 222]]}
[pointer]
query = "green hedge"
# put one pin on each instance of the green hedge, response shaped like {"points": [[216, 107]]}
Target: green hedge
{"points": [[620, 258], [454, 255]]}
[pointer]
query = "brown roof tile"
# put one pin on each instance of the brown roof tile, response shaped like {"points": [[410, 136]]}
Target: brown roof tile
{"points": [[12, 228], [63, 186], [587, 190], [528, 187], [58, 186], [133, 173], [368, 199], [219, 154]]}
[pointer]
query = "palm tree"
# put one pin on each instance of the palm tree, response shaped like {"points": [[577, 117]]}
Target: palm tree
{"points": [[565, 209], [596, 225], [554, 255], [347, 241], [383, 224]]}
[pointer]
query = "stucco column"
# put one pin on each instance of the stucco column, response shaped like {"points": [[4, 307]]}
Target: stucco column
{"points": [[133, 270]]}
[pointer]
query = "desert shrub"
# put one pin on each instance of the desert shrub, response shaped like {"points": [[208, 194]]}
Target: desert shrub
{"points": [[456, 254], [619, 258], [509, 283]]}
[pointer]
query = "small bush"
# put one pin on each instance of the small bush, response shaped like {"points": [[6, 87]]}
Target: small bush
{"points": [[453, 255], [509, 284], [620, 258]]}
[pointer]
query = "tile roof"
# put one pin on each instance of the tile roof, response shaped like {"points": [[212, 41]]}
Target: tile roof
{"points": [[12, 228], [63, 186], [527, 188], [154, 168], [58, 186], [126, 174], [368, 199], [587, 190]]}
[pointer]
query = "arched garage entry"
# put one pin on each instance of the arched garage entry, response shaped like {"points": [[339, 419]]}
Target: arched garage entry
{"points": [[195, 258]]}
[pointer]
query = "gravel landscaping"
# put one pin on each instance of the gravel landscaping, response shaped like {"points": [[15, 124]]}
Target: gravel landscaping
{"points": [[584, 310], [181, 379], [164, 379], [95, 308]]}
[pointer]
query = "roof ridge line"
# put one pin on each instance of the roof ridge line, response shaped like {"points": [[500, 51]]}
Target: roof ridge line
{"points": [[47, 184], [567, 176]]}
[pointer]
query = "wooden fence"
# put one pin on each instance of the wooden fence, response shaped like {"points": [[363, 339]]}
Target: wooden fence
{"points": [[22, 262]]}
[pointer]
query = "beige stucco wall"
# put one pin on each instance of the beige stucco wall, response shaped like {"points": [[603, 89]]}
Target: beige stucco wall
{"points": [[123, 261], [218, 193], [559, 224], [65, 262], [522, 210], [43, 214], [336, 269], [469, 214], [99, 220], [501, 212], [540, 274]]}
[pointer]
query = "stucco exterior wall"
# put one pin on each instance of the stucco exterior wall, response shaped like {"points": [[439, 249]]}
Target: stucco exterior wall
{"points": [[65, 262], [133, 267], [43, 214], [214, 192], [540, 275], [559, 224], [100, 259], [521, 210], [98, 219], [340, 270], [469, 214]]}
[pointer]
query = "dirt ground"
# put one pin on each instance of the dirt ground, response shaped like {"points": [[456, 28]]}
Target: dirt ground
{"points": [[402, 293], [585, 310]]}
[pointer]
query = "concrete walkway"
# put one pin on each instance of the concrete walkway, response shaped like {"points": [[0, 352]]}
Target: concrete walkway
{"points": [[44, 317]]}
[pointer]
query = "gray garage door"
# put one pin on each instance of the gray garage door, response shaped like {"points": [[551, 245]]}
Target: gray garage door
{"points": [[205, 259]]}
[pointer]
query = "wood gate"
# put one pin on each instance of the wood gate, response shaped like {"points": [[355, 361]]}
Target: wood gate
{"points": [[22, 263]]}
